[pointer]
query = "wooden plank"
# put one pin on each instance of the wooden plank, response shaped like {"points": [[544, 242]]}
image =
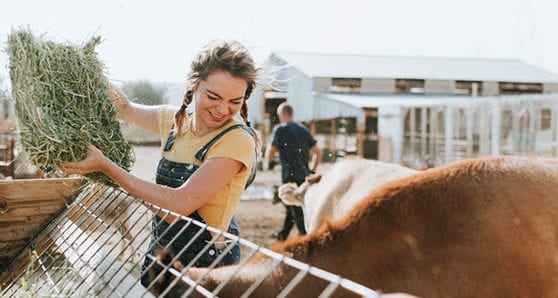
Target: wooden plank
{"points": [[27, 205], [8, 250], [19, 229], [30, 191]]}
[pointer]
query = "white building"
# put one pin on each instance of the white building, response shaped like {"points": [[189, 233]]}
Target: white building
{"points": [[389, 108]]}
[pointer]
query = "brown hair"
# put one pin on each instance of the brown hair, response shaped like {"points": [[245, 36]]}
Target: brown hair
{"points": [[219, 55]]}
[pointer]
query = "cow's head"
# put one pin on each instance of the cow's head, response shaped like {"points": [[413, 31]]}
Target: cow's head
{"points": [[163, 259], [290, 194]]}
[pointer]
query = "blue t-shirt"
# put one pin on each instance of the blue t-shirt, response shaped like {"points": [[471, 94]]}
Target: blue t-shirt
{"points": [[293, 141]]}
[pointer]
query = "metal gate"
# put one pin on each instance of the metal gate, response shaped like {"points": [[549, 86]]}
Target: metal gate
{"points": [[95, 247], [434, 135]]}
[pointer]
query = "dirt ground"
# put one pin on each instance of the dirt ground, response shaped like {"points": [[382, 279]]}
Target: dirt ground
{"points": [[256, 215]]}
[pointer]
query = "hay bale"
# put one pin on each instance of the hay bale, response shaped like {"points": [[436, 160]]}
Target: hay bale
{"points": [[62, 103]]}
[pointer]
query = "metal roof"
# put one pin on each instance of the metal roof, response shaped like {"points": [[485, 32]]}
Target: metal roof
{"points": [[389, 67], [363, 101]]}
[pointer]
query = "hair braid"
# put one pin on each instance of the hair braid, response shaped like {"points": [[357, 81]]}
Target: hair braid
{"points": [[244, 113], [180, 115]]}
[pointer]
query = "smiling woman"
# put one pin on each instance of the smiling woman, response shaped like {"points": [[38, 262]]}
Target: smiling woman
{"points": [[208, 157]]}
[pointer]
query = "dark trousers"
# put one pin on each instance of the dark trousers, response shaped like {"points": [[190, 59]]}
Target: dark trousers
{"points": [[294, 215]]}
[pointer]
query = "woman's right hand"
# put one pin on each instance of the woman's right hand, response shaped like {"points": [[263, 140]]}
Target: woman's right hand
{"points": [[93, 162]]}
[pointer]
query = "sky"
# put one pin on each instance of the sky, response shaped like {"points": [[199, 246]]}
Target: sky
{"points": [[155, 40]]}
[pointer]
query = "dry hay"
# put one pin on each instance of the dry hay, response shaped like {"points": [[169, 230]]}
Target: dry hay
{"points": [[62, 103]]}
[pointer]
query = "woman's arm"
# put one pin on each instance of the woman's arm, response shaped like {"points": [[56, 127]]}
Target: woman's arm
{"points": [[142, 116], [204, 184]]}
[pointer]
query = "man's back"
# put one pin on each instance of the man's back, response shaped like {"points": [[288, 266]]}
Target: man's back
{"points": [[294, 144], [293, 141]]}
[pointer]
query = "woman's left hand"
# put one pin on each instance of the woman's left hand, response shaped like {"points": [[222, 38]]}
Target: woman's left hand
{"points": [[93, 162]]}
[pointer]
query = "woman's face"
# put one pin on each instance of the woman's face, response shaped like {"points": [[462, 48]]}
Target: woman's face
{"points": [[218, 99]]}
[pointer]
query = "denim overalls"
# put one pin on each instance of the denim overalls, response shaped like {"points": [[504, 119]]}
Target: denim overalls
{"points": [[174, 174]]}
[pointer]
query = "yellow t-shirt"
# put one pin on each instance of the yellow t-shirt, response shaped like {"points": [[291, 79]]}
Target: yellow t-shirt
{"points": [[236, 144]]}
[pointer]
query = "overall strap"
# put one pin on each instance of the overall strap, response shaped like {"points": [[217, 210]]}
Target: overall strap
{"points": [[200, 155], [170, 140]]}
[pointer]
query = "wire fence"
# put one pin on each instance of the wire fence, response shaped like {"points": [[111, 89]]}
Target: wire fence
{"points": [[96, 246]]}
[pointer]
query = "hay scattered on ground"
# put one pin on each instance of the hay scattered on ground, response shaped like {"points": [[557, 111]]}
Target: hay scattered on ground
{"points": [[62, 103]]}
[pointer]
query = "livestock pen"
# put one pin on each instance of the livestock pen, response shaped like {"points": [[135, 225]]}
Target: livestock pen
{"points": [[421, 131], [96, 243]]}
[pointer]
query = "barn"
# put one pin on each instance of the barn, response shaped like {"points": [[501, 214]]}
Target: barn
{"points": [[415, 111]]}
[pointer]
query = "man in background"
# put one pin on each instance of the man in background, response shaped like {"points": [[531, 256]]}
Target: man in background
{"points": [[294, 143]]}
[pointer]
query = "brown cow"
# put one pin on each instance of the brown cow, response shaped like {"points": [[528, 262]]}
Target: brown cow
{"points": [[477, 228]]}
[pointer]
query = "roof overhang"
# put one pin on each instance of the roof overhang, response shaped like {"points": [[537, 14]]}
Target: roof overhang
{"points": [[364, 101]]}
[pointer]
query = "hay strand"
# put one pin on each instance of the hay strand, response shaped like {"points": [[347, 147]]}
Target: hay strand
{"points": [[62, 103]]}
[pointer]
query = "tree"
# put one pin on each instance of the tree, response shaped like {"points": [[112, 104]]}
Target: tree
{"points": [[144, 92], [4, 101]]}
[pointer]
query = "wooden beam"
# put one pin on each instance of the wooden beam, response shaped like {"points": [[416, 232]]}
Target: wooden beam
{"points": [[26, 206]]}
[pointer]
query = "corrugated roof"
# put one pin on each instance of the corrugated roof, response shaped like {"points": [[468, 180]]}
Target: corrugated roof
{"points": [[363, 66], [362, 101]]}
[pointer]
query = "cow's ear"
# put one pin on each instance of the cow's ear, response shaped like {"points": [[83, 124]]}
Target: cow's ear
{"points": [[313, 178], [178, 265]]}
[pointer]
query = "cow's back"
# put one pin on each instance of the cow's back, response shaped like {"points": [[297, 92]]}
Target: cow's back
{"points": [[344, 185], [478, 228]]}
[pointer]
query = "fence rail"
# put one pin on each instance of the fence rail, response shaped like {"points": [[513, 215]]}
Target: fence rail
{"points": [[97, 244]]}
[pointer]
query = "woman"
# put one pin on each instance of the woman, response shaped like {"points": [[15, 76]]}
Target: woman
{"points": [[206, 162]]}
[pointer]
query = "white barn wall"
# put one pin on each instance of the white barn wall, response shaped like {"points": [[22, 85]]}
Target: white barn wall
{"points": [[377, 85], [300, 96], [255, 106], [322, 84], [439, 86], [490, 88], [550, 88], [327, 109], [390, 133]]}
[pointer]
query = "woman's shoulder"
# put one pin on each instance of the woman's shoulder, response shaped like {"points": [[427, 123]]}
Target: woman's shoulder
{"points": [[239, 130], [235, 143], [167, 109], [165, 116]]}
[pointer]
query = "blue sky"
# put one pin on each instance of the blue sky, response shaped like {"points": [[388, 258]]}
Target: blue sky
{"points": [[155, 40]]}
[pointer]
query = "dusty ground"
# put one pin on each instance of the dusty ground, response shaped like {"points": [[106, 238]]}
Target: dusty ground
{"points": [[257, 216]]}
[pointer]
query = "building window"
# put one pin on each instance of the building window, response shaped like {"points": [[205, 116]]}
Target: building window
{"points": [[520, 88], [345, 84], [546, 119], [466, 87], [409, 86]]}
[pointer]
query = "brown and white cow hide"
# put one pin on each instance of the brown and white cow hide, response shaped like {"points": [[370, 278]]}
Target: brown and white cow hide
{"points": [[330, 196], [477, 228]]}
